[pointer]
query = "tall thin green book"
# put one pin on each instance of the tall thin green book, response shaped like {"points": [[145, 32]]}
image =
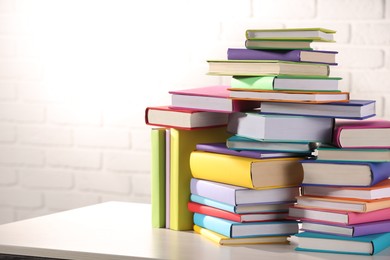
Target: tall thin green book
{"points": [[158, 153]]}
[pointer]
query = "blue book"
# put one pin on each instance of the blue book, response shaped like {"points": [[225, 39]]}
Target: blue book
{"points": [[245, 229], [324, 243], [353, 109], [339, 173], [243, 208]]}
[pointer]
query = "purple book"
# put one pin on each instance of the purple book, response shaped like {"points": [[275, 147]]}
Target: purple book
{"points": [[325, 57], [356, 230], [221, 148]]}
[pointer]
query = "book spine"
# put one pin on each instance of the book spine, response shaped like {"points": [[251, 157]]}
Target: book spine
{"points": [[217, 225], [250, 54], [213, 191]]}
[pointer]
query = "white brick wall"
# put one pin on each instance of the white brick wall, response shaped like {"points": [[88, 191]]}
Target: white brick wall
{"points": [[76, 75]]}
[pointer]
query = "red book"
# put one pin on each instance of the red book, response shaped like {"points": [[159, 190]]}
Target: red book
{"points": [[252, 217], [371, 133], [210, 98], [166, 116]]}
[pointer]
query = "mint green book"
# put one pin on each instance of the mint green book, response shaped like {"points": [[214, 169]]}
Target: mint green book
{"points": [[324, 243], [292, 34], [302, 83], [158, 177]]}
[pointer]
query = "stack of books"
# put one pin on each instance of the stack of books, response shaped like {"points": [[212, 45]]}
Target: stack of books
{"points": [[345, 201]]}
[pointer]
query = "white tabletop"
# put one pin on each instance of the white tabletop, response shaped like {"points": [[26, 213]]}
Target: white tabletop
{"points": [[120, 230]]}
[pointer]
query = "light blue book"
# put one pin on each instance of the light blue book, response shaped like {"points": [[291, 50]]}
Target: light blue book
{"points": [[246, 229], [325, 243], [243, 208]]}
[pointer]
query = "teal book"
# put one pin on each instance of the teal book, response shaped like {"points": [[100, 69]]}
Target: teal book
{"points": [[234, 229], [324, 243]]}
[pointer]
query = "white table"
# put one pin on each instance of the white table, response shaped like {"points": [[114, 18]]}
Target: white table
{"points": [[120, 230]]}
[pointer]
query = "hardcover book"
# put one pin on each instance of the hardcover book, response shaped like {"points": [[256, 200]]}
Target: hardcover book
{"points": [[353, 154], [374, 133], [281, 128], [265, 67], [166, 116], [340, 173], [245, 229], [278, 44], [325, 243], [286, 83], [246, 172], [210, 98], [224, 240], [236, 195], [312, 34], [352, 109], [326, 57]]}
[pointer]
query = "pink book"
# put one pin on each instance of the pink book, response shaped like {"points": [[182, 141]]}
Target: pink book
{"points": [[210, 98], [370, 133]]}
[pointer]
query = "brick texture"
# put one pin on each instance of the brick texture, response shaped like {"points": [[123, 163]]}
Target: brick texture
{"points": [[73, 91]]}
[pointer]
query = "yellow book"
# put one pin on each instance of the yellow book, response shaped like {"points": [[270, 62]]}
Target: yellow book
{"points": [[246, 172], [182, 143], [223, 240]]}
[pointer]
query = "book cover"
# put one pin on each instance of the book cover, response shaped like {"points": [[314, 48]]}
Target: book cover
{"points": [[247, 217], [352, 154], [292, 34], [166, 116], [326, 57], [250, 229], [340, 173], [167, 178], [364, 245], [246, 172], [315, 97], [265, 67], [338, 216], [223, 149], [235, 195], [352, 109], [224, 240], [240, 143], [281, 128], [278, 44], [210, 98], [183, 142], [157, 171], [355, 230], [244, 208], [279, 82], [354, 205], [373, 133]]}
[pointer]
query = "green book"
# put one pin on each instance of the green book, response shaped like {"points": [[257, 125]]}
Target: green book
{"points": [[294, 34], [158, 177]]}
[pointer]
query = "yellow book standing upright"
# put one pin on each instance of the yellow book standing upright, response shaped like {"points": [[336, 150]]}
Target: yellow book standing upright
{"points": [[183, 142]]}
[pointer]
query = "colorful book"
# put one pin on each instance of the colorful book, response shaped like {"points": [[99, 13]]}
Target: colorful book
{"points": [[167, 178], [356, 230], [240, 143], [243, 208], [378, 191], [157, 171], [265, 67], [166, 116], [353, 109], [354, 205], [246, 172], [327, 57], [223, 149], [248, 217], [292, 34], [210, 98], [278, 44], [281, 128], [224, 240], [374, 133], [183, 142], [315, 97], [337, 216], [352, 154], [245, 229], [236, 195], [325, 243], [340, 173], [279, 82]]}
